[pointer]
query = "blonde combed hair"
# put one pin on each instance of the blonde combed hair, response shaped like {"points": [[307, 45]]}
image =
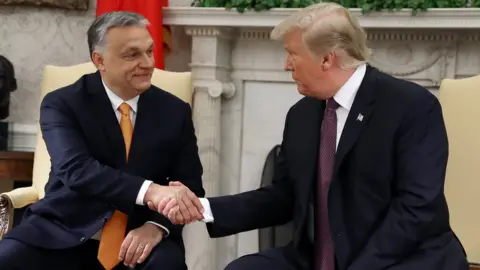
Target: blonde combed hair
{"points": [[328, 27]]}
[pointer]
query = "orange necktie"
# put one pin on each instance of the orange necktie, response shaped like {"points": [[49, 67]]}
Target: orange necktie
{"points": [[113, 232]]}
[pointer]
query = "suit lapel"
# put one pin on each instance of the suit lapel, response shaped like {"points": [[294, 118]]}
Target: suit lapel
{"points": [[105, 115], [357, 117], [143, 124]]}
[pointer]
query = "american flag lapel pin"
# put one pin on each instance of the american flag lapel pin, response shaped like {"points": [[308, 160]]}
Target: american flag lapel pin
{"points": [[360, 117]]}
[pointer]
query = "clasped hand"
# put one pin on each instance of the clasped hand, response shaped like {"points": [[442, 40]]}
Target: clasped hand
{"points": [[176, 201]]}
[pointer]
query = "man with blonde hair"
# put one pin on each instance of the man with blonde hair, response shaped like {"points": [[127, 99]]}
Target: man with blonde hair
{"points": [[361, 168]]}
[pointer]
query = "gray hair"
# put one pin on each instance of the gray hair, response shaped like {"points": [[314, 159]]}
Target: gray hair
{"points": [[97, 32], [328, 27]]}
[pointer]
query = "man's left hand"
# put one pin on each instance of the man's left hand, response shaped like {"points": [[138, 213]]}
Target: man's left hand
{"points": [[138, 244]]}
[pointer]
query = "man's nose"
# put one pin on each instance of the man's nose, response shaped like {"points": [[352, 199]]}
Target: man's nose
{"points": [[148, 61], [287, 66]]}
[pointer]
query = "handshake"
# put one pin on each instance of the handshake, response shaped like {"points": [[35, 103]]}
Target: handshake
{"points": [[176, 202]]}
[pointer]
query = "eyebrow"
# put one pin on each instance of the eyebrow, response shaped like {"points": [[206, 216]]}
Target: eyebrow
{"points": [[131, 49]]}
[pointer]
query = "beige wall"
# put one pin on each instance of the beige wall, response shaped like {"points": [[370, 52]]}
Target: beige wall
{"points": [[32, 37]]}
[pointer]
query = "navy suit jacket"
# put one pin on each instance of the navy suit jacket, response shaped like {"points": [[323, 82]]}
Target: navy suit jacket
{"points": [[386, 204], [90, 177]]}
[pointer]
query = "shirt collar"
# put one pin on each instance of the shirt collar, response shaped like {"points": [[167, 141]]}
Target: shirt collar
{"points": [[117, 101], [345, 96]]}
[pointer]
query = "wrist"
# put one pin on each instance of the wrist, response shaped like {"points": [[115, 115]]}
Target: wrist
{"points": [[157, 229], [150, 193]]}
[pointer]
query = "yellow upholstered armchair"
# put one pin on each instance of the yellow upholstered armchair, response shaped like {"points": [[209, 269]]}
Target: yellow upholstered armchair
{"points": [[460, 102], [178, 83]]}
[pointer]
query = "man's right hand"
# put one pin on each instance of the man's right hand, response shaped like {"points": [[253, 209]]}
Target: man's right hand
{"points": [[188, 206]]}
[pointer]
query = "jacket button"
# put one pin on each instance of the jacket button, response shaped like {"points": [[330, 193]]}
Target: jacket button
{"points": [[82, 239]]}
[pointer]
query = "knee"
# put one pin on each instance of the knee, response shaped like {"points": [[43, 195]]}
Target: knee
{"points": [[9, 253], [161, 258], [239, 264]]}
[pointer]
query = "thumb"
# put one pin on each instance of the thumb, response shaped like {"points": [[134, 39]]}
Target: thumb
{"points": [[151, 206], [175, 183]]}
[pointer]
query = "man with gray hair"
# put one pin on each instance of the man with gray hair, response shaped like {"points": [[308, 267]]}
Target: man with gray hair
{"points": [[361, 168], [114, 140]]}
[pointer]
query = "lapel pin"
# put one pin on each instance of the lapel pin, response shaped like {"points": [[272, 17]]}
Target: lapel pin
{"points": [[360, 117]]}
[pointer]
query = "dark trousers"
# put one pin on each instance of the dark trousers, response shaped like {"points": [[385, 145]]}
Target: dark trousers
{"points": [[15, 255], [269, 259]]}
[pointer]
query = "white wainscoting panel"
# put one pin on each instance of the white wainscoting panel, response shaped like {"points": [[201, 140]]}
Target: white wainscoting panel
{"points": [[265, 106]]}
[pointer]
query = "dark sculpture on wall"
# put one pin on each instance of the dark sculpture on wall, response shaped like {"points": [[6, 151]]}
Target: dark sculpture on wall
{"points": [[8, 84], [64, 4]]}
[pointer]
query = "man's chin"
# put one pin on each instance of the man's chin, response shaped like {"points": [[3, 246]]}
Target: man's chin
{"points": [[302, 90], [142, 87]]}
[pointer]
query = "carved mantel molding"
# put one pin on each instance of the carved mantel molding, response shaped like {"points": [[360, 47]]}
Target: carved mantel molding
{"points": [[437, 18], [211, 68]]}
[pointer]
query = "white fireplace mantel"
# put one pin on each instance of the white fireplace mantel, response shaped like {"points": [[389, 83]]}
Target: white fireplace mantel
{"points": [[438, 18]]}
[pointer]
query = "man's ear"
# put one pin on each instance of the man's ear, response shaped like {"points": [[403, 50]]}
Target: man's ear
{"points": [[327, 61], [97, 59]]}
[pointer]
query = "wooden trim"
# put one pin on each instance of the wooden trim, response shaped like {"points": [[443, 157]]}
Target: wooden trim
{"points": [[63, 4], [7, 155], [16, 166]]}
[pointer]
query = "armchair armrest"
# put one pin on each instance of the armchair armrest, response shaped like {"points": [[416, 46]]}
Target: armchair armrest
{"points": [[16, 198]]}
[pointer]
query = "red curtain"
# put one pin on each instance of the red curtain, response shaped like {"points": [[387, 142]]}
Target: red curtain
{"points": [[152, 10]]}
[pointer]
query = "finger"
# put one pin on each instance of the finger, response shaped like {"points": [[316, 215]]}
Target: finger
{"points": [[130, 252], [163, 203], [196, 202], [175, 183], [178, 216], [194, 213], [123, 248], [151, 206], [184, 211], [146, 252], [136, 256], [170, 205], [172, 215]]}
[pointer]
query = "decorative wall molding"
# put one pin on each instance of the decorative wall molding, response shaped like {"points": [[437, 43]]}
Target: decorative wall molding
{"points": [[255, 33], [224, 32], [437, 18], [413, 35], [22, 137]]}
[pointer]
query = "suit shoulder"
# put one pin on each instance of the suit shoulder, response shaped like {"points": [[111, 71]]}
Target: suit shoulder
{"points": [[303, 103], [402, 91], [166, 97]]}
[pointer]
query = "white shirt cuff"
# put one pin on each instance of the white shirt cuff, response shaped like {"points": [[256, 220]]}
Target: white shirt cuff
{"points": [[142, 192], [167, 232], [207, 211]]}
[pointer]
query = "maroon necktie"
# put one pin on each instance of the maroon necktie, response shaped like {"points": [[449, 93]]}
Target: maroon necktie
{"points": [[324, 244]]}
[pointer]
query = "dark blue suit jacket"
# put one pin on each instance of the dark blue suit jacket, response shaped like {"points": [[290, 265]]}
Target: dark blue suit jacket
{"points": [[89, 176], [386, 203]]}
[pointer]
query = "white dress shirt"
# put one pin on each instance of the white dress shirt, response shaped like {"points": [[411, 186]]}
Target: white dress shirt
{"points": [[116, 102], [344, 97]]}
